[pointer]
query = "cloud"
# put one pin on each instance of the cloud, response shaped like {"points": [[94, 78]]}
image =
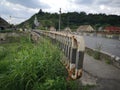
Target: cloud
{"points": [[30, 3], [110, 3], [108, 6], [57, 4], [21, 10], [99, 2], [98, 6], [17, 12], [84, 2], [115, 3]]}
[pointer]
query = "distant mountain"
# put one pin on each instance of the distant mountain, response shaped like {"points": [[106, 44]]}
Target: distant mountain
{"points": [[71, 19], [3, 24]]}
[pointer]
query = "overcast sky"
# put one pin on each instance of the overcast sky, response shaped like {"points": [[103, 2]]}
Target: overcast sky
{"points": [[20, 10]]}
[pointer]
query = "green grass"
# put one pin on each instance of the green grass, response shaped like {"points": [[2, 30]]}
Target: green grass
{"points": [[28, 66], [6, 31], [33, 66], [108, 61], [97, 55]]}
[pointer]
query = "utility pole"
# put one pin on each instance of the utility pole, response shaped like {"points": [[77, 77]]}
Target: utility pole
{"points": [[10, 20], [59, 18], [67, 21]]}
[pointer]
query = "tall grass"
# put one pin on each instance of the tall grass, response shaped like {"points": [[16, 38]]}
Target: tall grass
{"points": [[28, 66]]}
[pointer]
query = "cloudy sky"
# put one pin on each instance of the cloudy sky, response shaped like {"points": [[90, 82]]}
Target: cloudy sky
{"points": [[16, 11]]}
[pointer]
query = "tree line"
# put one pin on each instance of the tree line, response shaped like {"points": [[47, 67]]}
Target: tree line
{"points": [[72, 20]]}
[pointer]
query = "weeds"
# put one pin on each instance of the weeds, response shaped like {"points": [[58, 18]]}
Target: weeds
{"points": [[97, 54], [108, 61], [31, 67], [3, 52], [28, 66]]}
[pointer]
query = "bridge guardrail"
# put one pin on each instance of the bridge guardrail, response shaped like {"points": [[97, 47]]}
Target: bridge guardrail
{"points": [[73, 48]]}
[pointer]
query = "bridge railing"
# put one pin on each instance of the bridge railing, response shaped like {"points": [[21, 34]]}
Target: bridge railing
{"points": [[73, 48]]}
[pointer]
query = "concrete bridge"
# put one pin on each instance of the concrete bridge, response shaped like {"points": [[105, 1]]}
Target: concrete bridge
{"points": [[73, 48], [95, 72]]}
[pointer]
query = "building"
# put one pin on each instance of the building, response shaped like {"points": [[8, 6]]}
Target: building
{"points": [[85, 28], [67, 29], [112, 29], [36, 23], [52, 28], [100, 29]]}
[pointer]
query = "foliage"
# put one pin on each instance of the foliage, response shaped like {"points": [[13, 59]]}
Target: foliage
{"points": [[28, 66], [6, 31], [108, 61], [73, 20], [97, 53], [3, 24], [3, 52]]}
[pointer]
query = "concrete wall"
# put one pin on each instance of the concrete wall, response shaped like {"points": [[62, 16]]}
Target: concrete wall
{"points": [[5, 36], [104, 56]]}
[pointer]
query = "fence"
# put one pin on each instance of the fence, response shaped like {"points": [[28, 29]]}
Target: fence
{"points": [[73, 48]]}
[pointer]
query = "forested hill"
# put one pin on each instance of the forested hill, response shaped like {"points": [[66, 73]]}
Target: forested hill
{"points": [[72, 19], [3, 23]]}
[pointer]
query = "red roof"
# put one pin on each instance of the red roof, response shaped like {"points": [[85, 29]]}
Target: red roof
{"points": [[112, 29]]}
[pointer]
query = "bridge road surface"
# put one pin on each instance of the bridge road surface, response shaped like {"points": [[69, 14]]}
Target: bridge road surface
{"points": [[110, 46], [103, 76]]}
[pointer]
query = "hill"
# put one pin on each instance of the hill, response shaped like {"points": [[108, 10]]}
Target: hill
{"points": [[71, 19], [3, 24]]}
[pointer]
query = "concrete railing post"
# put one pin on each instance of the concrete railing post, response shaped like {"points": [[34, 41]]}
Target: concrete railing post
{"points": [[73, 47]]}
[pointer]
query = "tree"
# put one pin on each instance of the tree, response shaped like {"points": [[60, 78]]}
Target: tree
{"points": [[74, 19], [40, 12]]}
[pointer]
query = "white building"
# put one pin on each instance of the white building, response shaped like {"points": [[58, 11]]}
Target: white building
{"points": [[36, 23], [85, 28]]}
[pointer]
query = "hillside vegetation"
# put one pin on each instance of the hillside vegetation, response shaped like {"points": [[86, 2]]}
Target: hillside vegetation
{"points": [[72, 19], [3, 23]]}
